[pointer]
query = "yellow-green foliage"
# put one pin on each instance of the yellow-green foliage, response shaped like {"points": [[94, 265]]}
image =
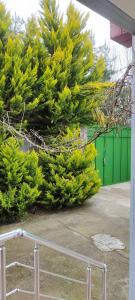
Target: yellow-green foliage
{"points": [[5, 22], [69, 177], [20, 179], [50, 79], [48, 70]]}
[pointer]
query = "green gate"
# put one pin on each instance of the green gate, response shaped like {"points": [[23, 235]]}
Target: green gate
{"points": [[113, 155]]}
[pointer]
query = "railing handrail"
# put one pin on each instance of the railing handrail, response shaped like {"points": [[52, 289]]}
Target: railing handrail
{"points": [[19, 233]]}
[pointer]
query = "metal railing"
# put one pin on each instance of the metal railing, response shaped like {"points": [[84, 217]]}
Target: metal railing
{"points": [[36, 293]]}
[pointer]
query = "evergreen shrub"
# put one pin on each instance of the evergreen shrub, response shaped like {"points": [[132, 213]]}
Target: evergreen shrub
{"points": [[20, 179], [70, 177]]}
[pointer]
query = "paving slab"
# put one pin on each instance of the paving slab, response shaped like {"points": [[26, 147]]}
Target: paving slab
{"points": [[107, 213]]}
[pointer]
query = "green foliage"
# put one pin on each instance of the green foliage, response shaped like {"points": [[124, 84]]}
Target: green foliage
{"points": [[20, 179], [69, 177], [70, 64], [17, 78], [5, 23], [109, 62], [50, 79], [17, 25], [44, 70]]}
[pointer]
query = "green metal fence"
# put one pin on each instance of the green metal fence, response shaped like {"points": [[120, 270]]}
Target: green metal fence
{"points": [[113, 155]]}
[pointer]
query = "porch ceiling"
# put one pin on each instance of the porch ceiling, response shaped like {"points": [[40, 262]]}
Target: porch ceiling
{"points": [[120, 12]]}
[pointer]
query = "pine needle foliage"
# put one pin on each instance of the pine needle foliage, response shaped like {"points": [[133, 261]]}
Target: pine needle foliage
{"points": [[69, 178], [50, 80], [5, 23], [20, 179], [46, 71]]}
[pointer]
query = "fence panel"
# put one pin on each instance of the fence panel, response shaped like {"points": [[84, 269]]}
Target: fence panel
{"points": [[113, 155]]}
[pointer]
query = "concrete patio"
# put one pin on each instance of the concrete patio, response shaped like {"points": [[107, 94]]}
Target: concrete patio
{"points": [[106, 213]]}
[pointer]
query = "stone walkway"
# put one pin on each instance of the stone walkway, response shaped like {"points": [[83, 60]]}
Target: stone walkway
{"points": [[106, 213]]}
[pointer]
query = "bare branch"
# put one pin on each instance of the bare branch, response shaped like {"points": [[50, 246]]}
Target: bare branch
{"points": [[115, 110]]}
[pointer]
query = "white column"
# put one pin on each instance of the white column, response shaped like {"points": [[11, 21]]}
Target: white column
{"points": [[132, 207]]}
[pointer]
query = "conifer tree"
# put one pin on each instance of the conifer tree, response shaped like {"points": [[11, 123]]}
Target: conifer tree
{"points": [[70, 178], [50, 80], [5, 23], [20, 179], [50, 74], [18, 76], [109, 62], [66, 93], [18, 71]]}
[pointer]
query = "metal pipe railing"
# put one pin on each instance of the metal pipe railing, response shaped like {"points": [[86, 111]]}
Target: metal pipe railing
{"points": [[89, 283], [18, 264], [36, 273], [3, 272], [49, 244], [19, 233]]}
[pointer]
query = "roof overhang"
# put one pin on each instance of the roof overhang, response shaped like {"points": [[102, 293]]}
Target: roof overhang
{"points": [[120, 12]]}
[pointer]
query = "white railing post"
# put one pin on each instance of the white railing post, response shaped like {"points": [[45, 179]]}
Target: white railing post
{"points": [[104, 284], [36, 274], [2, 273], [89, 283]]}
